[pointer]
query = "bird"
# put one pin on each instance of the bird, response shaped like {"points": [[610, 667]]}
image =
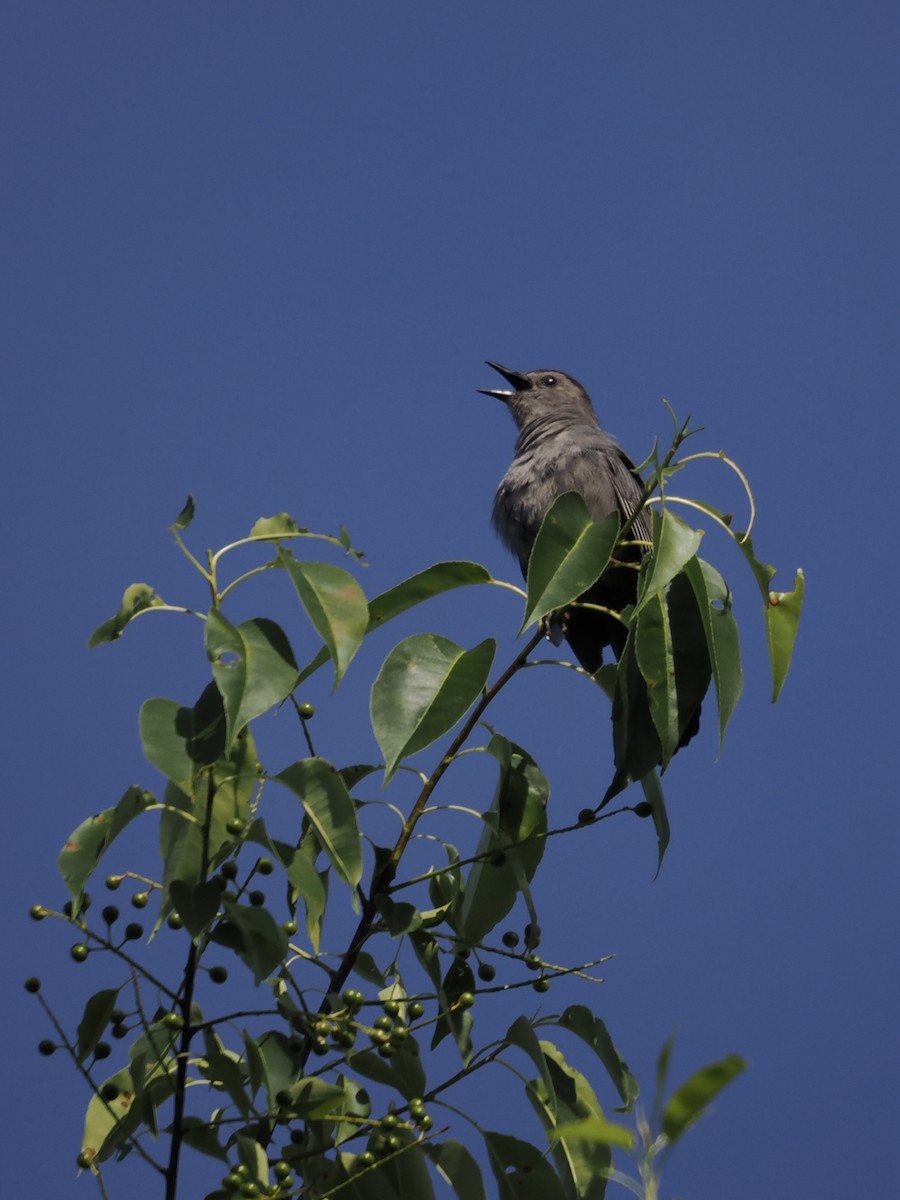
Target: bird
{"points": [[561, 448]]}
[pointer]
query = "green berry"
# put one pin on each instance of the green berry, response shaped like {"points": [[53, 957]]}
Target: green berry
{"points": [[235, 826], [265, 866], [257, 898], [391, 1007], [425, 1122], [282, 1169], [37, 912], [486, 972], [117, 1016], [140, 899], [79, 952], [384, 1022], [416, 1010], [306, 710], [84, 1160], [465, 1000], [229, 869], [173, 1020], [290, 928], [390, 1121], [510, 939], [218, 974], [113, 881], [366, 1159], [174, 921], [542, 984]]}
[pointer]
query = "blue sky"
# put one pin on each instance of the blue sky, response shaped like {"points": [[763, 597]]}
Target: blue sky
{"points": [[259, 252]]}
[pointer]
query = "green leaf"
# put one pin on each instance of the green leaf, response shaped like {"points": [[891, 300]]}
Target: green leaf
{"points": [[565, 1102], [520, 1169], [512, 842], [426, 684], [103, 1119], [336, 605], [137, 598], [403, 1072], [315, 1099], [186, 515], [177, 740], [201, 1136], [86, 845], [663, 1061], [782, 618], [281, 1065], [763, 573], [455, 1021], [653, 794], [570, 553], [197, 904], [722, 639], [94, 1021], [636, 743], [223, 1069], [229, 787], [674, 545], [456, 1166], [593, 1032], [656, 660], [332, 812], [253, 666], [521, 1033], [433, 581], [689, 1103], [263, 943], [593, 1129], [272, 528], [306, 882]]}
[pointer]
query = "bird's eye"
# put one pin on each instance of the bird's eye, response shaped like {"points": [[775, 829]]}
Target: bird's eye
{"points": [[549, 381]]}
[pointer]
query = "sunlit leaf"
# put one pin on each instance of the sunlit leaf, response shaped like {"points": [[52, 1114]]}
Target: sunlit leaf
{"points": [[94, 1021], [456, 1166], [273, 528], [332, 811], [433, 581], [253, 666], [426, 684], [570, 553], [86, 844], [186, 515], [512, 841], [137, 598], [520, 1169], [690, 1101], [782, 619], [674, 545], [723, 644], [579, 1020], [336, 605]]}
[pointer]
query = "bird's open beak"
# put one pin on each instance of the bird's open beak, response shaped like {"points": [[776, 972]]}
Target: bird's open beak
{"points": [[519, 382]]}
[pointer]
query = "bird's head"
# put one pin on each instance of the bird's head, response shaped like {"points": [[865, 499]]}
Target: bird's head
{"points": [[537, 394]]}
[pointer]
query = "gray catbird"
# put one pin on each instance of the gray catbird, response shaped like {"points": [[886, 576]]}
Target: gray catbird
{"points": [[561, 448]]}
